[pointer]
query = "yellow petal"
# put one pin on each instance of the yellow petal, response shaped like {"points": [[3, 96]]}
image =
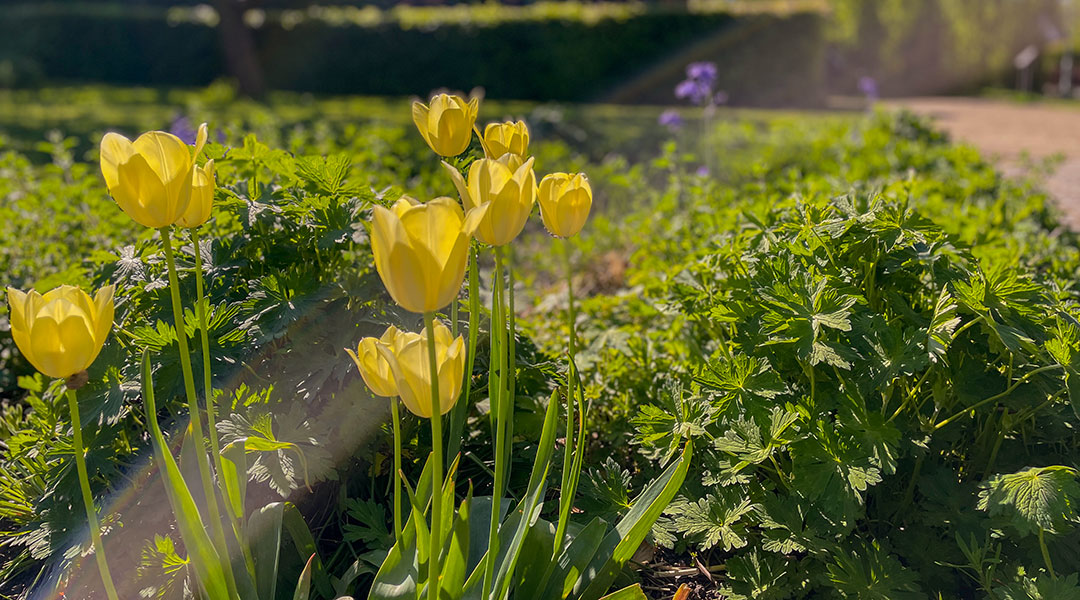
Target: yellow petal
{"points": [[200, 139], [115, 150], [104, 311], [374, 368], [411, 385], [406, 280], [403, 204], [202, 197], [167, 155], [460, 184], [142, 195], [453, 271], [420, 113], [17, 308], [61, 341]]}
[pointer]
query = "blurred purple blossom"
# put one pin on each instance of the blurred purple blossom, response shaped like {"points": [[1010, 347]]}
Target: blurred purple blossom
{"points": [[703, 72], [869, 88], [182, 128], [671, 119], [693, 90], [698, 85], [702, 171]]}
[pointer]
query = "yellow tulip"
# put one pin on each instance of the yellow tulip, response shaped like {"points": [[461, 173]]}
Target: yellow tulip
{"points": [[62, 331], [149, 178], [508, 137], [446, 123], [373, 366], [498, 196], [565, 201], [202, 196], [421, 252], [412, 370]]}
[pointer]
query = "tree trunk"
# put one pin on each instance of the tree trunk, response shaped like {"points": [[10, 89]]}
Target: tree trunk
{"points": [[241, 59]]}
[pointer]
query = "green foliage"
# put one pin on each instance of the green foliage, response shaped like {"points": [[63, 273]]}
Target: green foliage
{"points": [[1034, 498], [867, 333], [864, 324]]}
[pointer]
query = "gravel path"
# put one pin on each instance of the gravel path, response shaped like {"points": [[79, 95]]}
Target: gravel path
{"points": [[1010, 132]]}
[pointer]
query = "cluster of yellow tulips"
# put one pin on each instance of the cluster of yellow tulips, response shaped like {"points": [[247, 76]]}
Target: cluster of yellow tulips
{"points": [[422, 252], [158, 182]]}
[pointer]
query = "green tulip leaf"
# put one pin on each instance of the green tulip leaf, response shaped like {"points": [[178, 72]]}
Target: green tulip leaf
{"points": [[209, 566]]}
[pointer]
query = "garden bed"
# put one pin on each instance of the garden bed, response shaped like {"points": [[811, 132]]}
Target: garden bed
{"points": [[868, 334]]}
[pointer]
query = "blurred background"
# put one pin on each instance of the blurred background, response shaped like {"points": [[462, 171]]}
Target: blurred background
{"points": [[772, 52]]}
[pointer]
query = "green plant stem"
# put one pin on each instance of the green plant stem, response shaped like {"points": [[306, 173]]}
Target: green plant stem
{"points": [[996, 397], [461, 409], [208, 393], [88, 498], [1046, 554], [566, 496], [193, 408], [395, 417], [496, 398], [911, 395], [511, 355], [435, 547], [200, 312], [999, 438]]}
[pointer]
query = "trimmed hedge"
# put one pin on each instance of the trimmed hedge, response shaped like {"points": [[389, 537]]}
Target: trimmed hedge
{"points": [[537, 60]]}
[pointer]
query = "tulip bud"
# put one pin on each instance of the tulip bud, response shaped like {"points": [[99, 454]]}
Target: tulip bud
{"points": [[565, 201], [62, 331], [446, 123], [202, 196], [508, 137], [150, 178], [498, 197], [421, 251], [412, 370], [373, 366]]}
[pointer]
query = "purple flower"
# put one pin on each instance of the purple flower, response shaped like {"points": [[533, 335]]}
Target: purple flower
{"points": [[693, 90], [671, 119], [702, 171], [181, 128], [703, 72], [868, 87], [699, 83]]}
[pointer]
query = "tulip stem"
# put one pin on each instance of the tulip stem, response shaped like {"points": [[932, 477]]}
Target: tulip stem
{"points": [[88, 498], [510, 355], [566, 497], [395, 418], [496, 400], [193, 408], [211, 416], [435, 547], [457, 414]]}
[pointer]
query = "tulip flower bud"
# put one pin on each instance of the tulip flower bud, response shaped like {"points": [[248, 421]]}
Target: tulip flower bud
{"points": [[421, 252], [446, 123], [498, 197], [412, 371], [202, 196], [508, 137], [62, 331], [150, 178], [373, 366], [565, 201]]}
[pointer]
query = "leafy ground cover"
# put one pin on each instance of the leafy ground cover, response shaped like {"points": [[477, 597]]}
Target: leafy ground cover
{"points": [[869, 335]]}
